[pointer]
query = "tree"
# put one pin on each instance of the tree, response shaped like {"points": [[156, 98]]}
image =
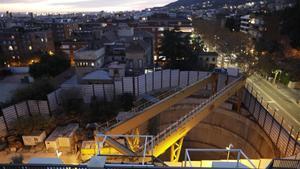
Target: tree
{"points": [[197, 44], [49, 66], [18, 159], [291, 25], [232, 24], [72, 101], [178, 51], [35, 91], [28, 124]]}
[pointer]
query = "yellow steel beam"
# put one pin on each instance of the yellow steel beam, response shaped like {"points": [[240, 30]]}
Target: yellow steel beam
{"points": [[175, 150], [134, 142], [150, 112], [182, 130]]}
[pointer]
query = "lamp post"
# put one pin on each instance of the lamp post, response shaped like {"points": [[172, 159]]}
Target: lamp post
{"points": [[277, 72], [228, 152]]}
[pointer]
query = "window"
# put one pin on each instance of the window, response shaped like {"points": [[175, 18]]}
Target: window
{"points": [[140, 63], [161, 29], [10, 48], [93, 64]]}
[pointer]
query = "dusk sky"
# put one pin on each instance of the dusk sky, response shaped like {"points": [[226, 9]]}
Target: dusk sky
{"points": [[77, 5]]}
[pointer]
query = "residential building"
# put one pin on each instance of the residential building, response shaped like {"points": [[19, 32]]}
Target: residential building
{"points": [[89, 59], [208, 59], [20, 46], [157, 25], [252, 25]]}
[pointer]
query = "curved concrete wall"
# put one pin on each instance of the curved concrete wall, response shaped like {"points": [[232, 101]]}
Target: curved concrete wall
{"points": [[221, 128]]}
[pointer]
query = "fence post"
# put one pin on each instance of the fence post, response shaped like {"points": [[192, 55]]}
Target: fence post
{"points": [[15, 107], [122, 85], [279, 131], [133, 85], [170, 79], [287, 145], [48, 105], [138, 86], [153, 73], [255, 102], [93, 87], [55, 95], [272, 122], [104, 93], [28, 108], [188, 78], [266, 112], [161, 79], [296, 141], [114, 85], [145, 77], [251, 98], [178, 78]]}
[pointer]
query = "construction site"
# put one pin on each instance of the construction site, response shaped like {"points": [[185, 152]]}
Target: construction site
{"points": [[216, 121]]}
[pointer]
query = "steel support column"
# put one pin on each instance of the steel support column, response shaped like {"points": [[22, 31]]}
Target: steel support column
{"points": [[134, 142], [175, 150]]}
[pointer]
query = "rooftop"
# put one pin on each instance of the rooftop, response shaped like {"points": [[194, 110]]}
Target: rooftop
{"points": [[97, 75], [66, 131]]}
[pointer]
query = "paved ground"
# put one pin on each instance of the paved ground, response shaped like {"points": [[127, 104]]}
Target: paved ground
{"points": [[279, 97], [66, 158], [9, 84]]}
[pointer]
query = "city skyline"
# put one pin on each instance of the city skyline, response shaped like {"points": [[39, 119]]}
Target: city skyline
{"points": [[78, 5]]}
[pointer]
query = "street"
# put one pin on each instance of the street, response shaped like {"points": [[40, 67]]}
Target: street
{"points": [[280, 99]]}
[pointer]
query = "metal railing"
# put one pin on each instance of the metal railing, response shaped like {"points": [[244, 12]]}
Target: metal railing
{"points": [[187, 158], [137, 110], [284, 136], [284, 164], [42, 166], [174, 127]]}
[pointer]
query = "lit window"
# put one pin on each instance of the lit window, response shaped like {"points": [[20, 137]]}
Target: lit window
{"points": [[161, 29], [30, 47], [10, 47], [93, 64], [42, 40], [12, 36], [51, 53]]}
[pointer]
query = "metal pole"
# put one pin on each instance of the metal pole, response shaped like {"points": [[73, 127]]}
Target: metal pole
{"points": [[144, 153], [296, 141], [185, 158], [279, 131], [265, 119], [238, 159], [287, 145], [272, 122]]}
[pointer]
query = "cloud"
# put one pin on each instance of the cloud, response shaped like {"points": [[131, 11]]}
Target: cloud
{"points": [[79, 5]]}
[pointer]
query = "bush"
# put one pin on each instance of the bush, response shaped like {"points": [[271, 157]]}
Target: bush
{"points": [[126, 101], [49, 66], [35, 91], [18, 159], [72, 101]]}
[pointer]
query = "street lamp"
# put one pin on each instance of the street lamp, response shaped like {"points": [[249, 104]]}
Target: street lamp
{"points": [[277, 72], [228, 152]]}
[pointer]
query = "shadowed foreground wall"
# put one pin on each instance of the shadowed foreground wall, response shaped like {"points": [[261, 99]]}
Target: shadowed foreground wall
{"points": [[221, 128]]}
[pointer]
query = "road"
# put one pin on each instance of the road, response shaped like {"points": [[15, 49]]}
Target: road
{"points": [[283, 102]]}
